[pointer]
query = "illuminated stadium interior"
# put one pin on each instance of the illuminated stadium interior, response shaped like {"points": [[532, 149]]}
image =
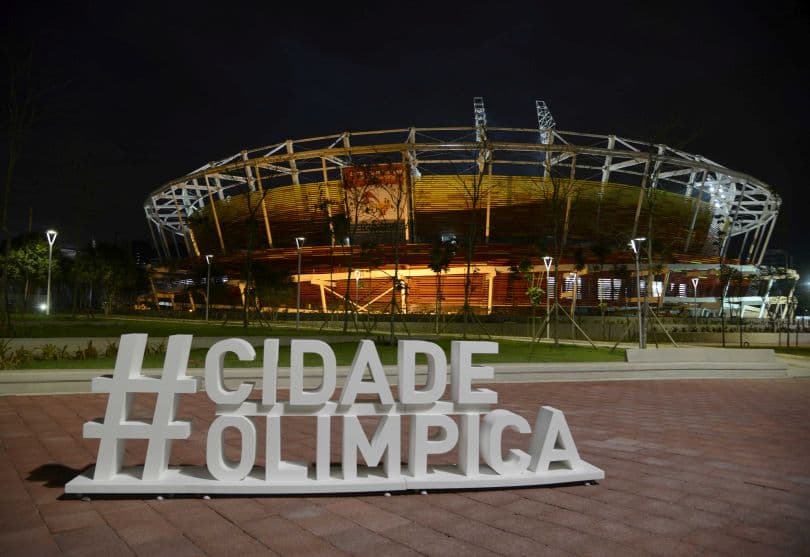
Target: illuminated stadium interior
{"points": [[374, 208]]}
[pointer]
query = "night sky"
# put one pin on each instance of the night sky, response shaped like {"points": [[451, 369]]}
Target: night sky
{"points": [[132, 95]]}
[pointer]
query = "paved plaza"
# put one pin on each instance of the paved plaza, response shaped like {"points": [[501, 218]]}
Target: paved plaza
{"points": [[693, 467]]}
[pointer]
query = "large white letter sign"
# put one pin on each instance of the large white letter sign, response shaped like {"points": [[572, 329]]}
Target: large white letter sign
{"points": [[464, 372], [366, 357], [270, 371], [406, 372], [491, 433], [419, 446], [214, 368], [218, 464], [122, 386], [385, 441], [465, 427], [300, 397], [552, 443]]}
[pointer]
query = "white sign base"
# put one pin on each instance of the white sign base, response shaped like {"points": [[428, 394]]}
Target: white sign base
{"points": [[195, 480]]}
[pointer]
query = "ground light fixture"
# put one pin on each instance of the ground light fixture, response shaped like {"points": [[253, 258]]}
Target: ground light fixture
{"points": [[208, 258], [695, 281], [299, 245], [51, 236], [635, 244]]}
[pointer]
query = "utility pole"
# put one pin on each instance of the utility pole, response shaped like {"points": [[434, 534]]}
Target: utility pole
{"points": [[299, 244], [208, 259], [642, 340]]}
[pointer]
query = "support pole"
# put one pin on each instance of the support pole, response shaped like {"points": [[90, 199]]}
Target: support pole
{"points": [[264, 207], [214, 212]]}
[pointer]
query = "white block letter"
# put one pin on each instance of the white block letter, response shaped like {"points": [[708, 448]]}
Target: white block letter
{"points": [[214, 363], [552, 443], [491, 439], [300, 397], [468, 443], [218, 465], [385, 441], [270, 371], [406, 371], [419, 446], [366, 357], [463, 372], [323, 465], [276, 469]]}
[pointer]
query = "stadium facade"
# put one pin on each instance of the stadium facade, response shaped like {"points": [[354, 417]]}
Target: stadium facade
{"points": [[372, 212]]}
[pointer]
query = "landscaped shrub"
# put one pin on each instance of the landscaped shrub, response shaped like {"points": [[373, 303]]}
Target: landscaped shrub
{"points": [[87, 353], [12, 358], [52, 352], [111, 350], [156, 349]]}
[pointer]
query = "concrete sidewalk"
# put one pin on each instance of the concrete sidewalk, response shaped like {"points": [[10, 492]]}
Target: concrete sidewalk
{"points": [[699, 467], [78, 380]]}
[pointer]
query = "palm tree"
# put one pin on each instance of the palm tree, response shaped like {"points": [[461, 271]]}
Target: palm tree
{"points": [[439, 261]]}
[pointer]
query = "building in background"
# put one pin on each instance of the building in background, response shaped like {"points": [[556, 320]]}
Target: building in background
{"points": [[374, 208]]}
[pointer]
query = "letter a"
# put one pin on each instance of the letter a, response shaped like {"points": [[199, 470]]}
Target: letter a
{"points": [[366, 357], [552, 445]]}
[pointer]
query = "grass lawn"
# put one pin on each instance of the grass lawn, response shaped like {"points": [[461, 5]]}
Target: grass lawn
{"points": [[509, 351], [794, 350], [58, 326]]}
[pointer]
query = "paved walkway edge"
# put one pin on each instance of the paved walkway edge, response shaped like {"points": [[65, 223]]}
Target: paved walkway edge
{"points": [[78, 381]]}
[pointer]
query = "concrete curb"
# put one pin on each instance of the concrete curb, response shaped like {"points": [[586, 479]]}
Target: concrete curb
{"points": [[78, 381]]}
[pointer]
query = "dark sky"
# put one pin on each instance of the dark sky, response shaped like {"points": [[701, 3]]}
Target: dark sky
{"points": [[133, 96]]}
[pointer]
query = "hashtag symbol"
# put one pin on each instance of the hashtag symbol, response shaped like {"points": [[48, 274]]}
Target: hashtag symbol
{"points": [[127, 380]]}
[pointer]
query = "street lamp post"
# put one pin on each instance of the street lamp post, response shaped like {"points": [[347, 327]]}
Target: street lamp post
{"points": [[299, 244], [695, 281], [208, 259], [357, 287], [51, 236], [574, 292], [642, 341], [547, 262]]}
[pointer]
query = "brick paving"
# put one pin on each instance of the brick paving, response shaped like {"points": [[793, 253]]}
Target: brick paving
{"points": [[701, 467]]}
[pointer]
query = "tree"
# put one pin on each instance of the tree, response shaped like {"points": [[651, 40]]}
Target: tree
{"points": [[534, 292], [390, 180], [83, 273], [28, 261], [249, 298], [602, 250], [441, 255], [579, 265], [475, 189], [558, 193], [21, 114], [670, 133], [729, 276], [364, 208], [29, 257], [117, 276], [625, 278], [273, 287]]}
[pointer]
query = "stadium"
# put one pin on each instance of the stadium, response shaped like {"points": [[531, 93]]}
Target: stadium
{"points": [[506, 218]]}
